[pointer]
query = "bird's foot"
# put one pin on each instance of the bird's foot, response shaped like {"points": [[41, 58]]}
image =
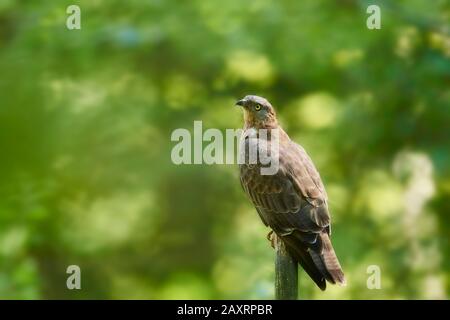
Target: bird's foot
{"points": [[272, 237]]}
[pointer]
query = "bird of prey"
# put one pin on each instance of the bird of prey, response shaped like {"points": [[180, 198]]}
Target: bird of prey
{"points": [[293, 201]]}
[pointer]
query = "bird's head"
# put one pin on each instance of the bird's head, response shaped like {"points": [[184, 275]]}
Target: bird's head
{"points": [[258, 113]]}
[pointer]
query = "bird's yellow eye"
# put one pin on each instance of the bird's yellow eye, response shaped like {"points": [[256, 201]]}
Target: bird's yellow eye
{"points": [[257, 107]]}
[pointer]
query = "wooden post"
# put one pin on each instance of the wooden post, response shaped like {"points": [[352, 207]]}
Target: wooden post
{"points": [[286, 273]]}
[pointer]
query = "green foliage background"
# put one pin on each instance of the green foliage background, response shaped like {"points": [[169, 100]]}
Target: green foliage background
{"points": [[85, 124]]}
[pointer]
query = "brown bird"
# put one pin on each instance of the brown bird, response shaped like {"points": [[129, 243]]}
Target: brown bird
{"points": [[293, 201]]}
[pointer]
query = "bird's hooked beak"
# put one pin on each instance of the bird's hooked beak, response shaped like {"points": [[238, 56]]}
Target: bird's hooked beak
{"points": [[241, 102]]}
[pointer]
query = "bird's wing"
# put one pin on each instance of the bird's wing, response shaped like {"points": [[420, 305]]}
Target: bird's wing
{"points": [[311, 186], [293, 202], [306, 179], [293, 198]]}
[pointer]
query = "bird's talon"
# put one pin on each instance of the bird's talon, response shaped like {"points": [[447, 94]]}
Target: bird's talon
{"points": [[272, 237]]}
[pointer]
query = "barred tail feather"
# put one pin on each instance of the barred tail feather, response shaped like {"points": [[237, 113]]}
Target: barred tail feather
{"points": [[318, 260], [300, 253], [331, 261]]}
